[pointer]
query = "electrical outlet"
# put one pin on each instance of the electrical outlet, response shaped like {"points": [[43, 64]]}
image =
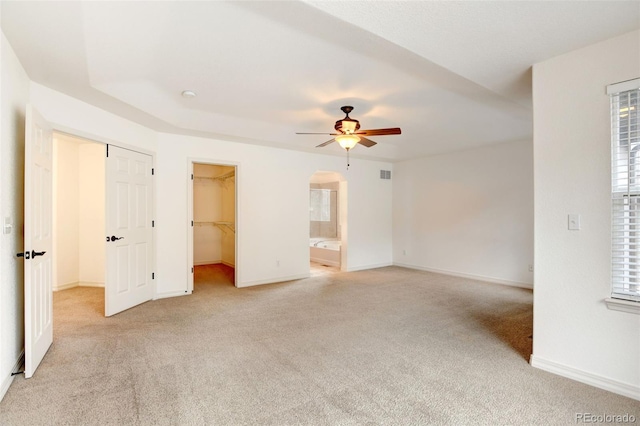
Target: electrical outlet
{"points": [[530, 268], [278, 263], [404, 252]]}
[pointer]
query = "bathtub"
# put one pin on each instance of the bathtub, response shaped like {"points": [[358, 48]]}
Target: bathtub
{"points": [[325, 252]]}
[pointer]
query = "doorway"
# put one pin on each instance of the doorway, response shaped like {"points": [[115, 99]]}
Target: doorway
{"points": [[327, 223], [102, 190], [78, 231], [213, 231]]}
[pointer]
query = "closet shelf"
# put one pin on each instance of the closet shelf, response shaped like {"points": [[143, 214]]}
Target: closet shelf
{"points": [[221, 178], [224, 226], [228, 225]]}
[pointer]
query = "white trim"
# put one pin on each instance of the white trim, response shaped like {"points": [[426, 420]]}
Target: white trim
{"points": [[591, 379], [623, 86], [6, 383], [494, 280], [171, 294], [623, 305], [230, 265], [365, 267], [274, 280]]}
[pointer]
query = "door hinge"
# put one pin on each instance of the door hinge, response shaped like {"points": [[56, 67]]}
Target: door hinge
{"points": [[152, 171], [191, 223], [191, 176], [192, 269], [107, 150], [153, 275], [153, 223]]}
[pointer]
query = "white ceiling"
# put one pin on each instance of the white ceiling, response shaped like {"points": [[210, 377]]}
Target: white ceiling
{"points": [[452, 75]]}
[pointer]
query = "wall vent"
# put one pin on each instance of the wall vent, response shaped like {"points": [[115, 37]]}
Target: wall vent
{"points": [[385, 174]]}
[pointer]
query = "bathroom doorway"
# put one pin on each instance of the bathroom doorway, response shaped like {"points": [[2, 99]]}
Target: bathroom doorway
{"points": [[327, 223], [213, 225]]}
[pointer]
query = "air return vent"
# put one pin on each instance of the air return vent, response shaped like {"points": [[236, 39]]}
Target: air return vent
{"points": [[385, 174]]}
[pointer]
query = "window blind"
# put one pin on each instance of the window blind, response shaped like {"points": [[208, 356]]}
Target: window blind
{"points": [[625, 189]]}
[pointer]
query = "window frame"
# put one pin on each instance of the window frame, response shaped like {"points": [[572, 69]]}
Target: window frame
{"points": [[625, 197]]}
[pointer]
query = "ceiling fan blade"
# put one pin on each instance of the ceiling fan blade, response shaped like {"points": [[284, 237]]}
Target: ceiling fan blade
{"points": [[380, 132], [300, 133], [366, 142], [325, 143]]}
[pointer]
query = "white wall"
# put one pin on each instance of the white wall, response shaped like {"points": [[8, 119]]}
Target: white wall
{"points": [[66, 232], [575, 335], [91, 214], [467, 213], [14, 91], [85, 120], [273, 209]]}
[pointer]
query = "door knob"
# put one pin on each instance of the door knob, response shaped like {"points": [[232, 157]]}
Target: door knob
{"points": [[31, 255], [114, 238]]}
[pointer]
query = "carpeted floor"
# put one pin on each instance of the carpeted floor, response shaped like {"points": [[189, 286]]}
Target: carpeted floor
{"points": [[385, 346]]}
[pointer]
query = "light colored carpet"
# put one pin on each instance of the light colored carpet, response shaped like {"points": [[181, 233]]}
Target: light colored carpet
{"points": [[385, 346]]}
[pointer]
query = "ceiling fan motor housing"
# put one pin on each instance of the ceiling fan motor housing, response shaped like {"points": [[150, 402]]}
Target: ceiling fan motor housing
{"points": [[339, 125]]}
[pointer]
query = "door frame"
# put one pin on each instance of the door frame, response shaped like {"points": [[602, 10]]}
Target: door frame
{"points": [[57, 128], [190, 266]]}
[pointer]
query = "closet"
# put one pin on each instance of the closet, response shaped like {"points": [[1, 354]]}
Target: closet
{"points": [[78, 221], [214, 212]]}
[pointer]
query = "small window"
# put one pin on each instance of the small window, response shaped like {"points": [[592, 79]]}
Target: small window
{"points": [[625, 189], [320, 205]]}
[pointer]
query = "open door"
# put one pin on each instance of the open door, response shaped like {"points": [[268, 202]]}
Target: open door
{"points": [[129, 279], [38, 208]]}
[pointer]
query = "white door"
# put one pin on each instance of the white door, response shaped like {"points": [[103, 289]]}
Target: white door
{"points": [[38, 208], [129, 230]]}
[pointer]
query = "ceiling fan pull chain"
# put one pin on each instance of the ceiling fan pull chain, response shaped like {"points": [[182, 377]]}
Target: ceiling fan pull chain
{"points": [[348, 159]]}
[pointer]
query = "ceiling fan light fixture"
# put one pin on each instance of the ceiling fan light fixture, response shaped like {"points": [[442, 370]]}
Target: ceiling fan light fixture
{"points": [[347, 141], [349, 126]]}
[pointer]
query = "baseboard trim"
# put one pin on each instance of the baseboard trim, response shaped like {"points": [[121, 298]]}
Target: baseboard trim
{"points": [[6, 382], [207, 262], [273, 280], [325, 262], [365, 267], [90, 284], [591, 379], [230, 265], [66, 286], [464, 275]]}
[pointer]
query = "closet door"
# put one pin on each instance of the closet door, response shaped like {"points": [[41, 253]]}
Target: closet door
{"points": [[129, 279]]}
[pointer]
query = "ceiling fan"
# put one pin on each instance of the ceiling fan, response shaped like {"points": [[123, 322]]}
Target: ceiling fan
{"points": [[349, 133]]}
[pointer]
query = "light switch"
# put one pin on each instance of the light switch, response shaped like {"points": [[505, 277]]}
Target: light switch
{"points": [[574, 222], [7, 226]]}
